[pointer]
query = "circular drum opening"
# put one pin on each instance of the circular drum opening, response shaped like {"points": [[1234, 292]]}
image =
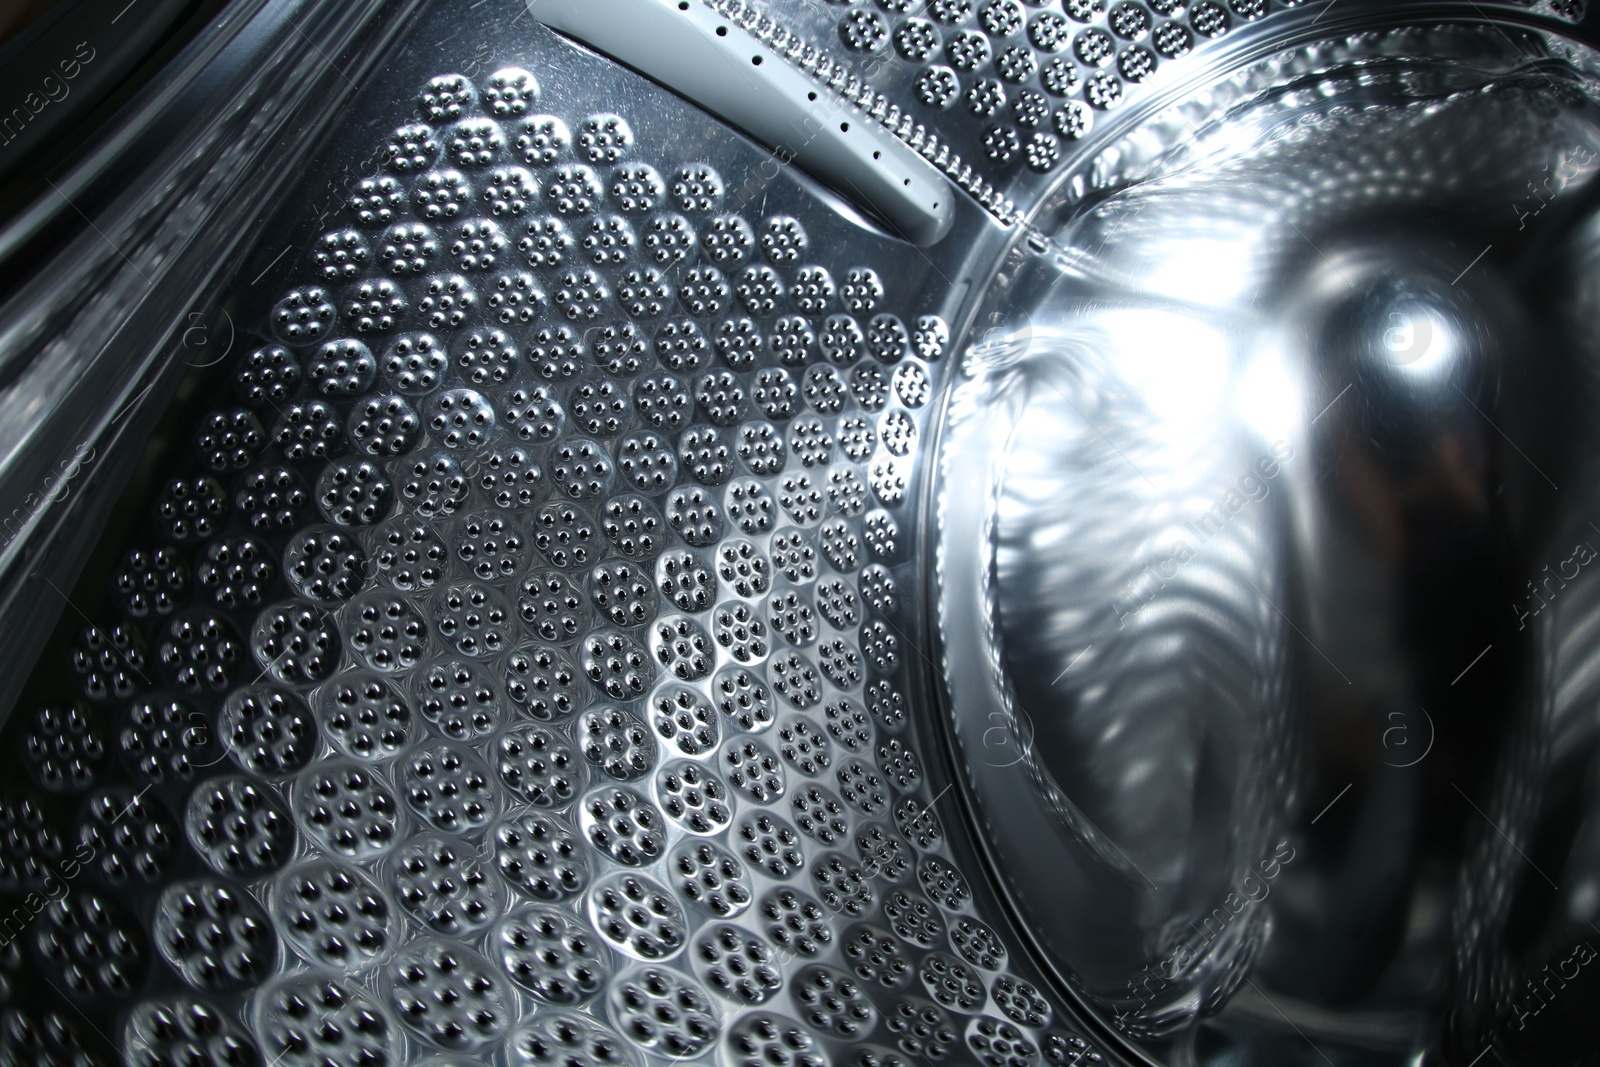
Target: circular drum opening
{"points": [[1244, 506]]}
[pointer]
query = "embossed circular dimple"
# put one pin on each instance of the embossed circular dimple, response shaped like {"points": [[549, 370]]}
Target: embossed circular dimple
{"points": [[615, 741], [668, 239], [727, 240], [303, 315], [753, 770], [581, 468], [636, 188], [874, 955], [488, 357], [385, 631], [663, 403], [682, 647], [214, 935], [744, 568], [448, 995], [354, 493], [685, 581], [619, 348], [561, 1039], [848, 724], [319, 1020], [33, 844], [696, 189], [804, 746], [769, 843], [1021, 1002], [749, 506], [438, 194], [342, 368], [267, 376], [295, 642], [539, 854], [832, 1003], [150, 581], [742, 696], [510, 91], [490, 545], [450, 787], [551, 955], [376, 200], [693, 796], [414, 362], [682, 716], [238, 828], [638, 916], [913, 918], [198, 653], [268, 731], [409, 553], [333, 914], [181, 1030], [842, 884], [165, 740], [623, 826], [479, 245], [795, 679], [711, 877], [819, 814], [91, 946], [937, 86], [459, 698], [647, 462], [565, 535], [544, 682], [622, 593], [474, 142], [375, 305], [459, 418], [920, 1028], [235, 572], [444, 886], [509, 478], [130, 837], [882, 853], [763, 1038], [918, 824], [834, 597], [634, 525], [617, 663], [841, 339], [433, 484], [680, 345], [322, 1021], [540, 766], [446, 300], [663, 1010], [951, 983], [572, 190], [862, 788], [474, 618], [736, 963], [347, 808], [229, 440], [446, 98], [997, 1043], [193, 508], [709, 459], [800, 499], [810, 441], [324, 564], [63, 748], [943, 883]]}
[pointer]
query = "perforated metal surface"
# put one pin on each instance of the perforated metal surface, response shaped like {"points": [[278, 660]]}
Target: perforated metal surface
{"points": [[520, 655]]}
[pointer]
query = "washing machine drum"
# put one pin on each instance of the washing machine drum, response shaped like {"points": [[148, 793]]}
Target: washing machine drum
{"points": [[898, 533]]}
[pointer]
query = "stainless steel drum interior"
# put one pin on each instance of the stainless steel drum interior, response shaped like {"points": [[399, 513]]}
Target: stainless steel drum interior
{"points": [[887, 533]]}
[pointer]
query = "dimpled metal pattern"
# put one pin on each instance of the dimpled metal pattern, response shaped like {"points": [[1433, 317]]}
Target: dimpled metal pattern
{"points": [[520, 672]]}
